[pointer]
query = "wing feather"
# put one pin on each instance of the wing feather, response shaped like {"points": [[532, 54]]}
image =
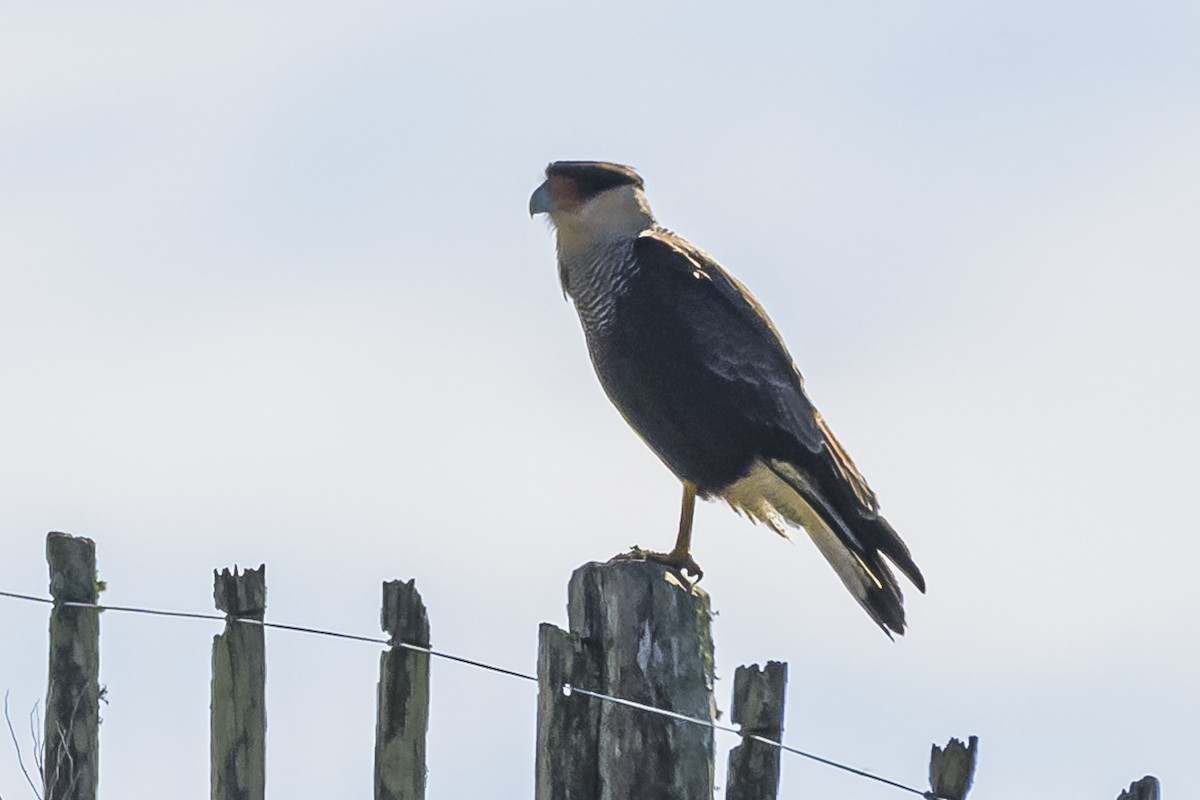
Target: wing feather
{"points": [[735, 341], [745, 347]]}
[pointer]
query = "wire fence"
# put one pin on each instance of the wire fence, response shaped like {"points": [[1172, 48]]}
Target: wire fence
{"points": [[567, 689]]}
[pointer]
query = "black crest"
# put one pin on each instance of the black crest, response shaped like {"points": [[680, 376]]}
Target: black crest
{"points": [[593, 177]]}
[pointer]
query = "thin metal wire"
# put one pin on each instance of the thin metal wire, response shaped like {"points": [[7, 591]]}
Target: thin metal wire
{"points": [[281, 626], [27, 597], [567, 688], [315, 631], [472, 663], [845, 767], [154, 612]]}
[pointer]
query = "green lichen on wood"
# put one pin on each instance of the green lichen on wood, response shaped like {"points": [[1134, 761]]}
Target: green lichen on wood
{"points": [[402, 718], [71, 746], [1145, 789], [952, 769], [653, 628], [238, 714]]}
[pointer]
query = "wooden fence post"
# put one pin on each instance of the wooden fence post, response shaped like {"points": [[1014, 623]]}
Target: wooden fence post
{"points": [[239, 669], [758, 699], [1145, 789], [654, 630], [568, 727], [952, 769], [403, 696], [72, 745]]}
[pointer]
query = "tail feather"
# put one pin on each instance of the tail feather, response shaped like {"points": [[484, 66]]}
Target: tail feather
{"points": [[779, 495], [892, 546]]}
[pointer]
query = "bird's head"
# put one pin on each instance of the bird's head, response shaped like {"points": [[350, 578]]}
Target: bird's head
{"points": [[592, 200]]}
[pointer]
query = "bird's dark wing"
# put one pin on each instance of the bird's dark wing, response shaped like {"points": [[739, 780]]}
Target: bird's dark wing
{"points": [[743, 348], [697, 368]]}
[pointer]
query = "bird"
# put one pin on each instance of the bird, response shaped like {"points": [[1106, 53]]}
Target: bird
{"points": [[696, 367]]}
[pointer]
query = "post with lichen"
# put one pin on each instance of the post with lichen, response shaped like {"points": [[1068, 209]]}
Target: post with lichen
{"points": [[403, 701], [952, 769], [72, 744], [239, 717], [568, 725], [758, 698], [1145, 789], [642, 633]]}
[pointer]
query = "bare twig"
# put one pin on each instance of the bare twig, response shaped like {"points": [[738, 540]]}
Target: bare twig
{"points": [[17, 744], [63, 752], [35, 736]]}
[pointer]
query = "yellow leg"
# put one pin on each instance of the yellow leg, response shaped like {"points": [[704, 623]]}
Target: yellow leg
{"points": [[680, 557], [683, 542]]}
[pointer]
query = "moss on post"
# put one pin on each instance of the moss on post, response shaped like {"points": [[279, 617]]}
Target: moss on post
{"points": [[72, 744], [239, 718], [653, 629], [758, 699], [403, 696], [952, 769]]}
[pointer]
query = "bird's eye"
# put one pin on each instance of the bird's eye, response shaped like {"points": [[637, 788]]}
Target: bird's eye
{"points": [[565, 193]]}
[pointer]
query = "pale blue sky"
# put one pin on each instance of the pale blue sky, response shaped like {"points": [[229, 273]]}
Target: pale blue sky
{"points": [[270, 293]]}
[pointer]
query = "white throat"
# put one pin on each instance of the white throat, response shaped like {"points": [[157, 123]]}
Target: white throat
{"points": [[595, 249], [611, 216]]}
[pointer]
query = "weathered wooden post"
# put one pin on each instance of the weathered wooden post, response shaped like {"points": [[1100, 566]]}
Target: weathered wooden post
{"points": [[952, 769], [403, 696], [652, 632], [758, 698], [568, 733], [72, 745], [239, 715], [1145, 789]]}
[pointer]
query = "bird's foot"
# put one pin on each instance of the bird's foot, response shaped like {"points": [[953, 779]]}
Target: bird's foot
{"points": [[680, 561]]}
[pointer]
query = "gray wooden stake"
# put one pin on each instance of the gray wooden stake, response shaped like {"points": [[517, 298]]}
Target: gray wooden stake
{"points": [[239, 669], [952, 769], [1145, 789], [403, 696], [72, 744], [758, 698], [654, 630], [568, 726]]}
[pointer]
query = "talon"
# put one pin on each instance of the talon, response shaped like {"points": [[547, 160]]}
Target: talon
{"points": [[683, 562], [680, 558], [689, 566]]}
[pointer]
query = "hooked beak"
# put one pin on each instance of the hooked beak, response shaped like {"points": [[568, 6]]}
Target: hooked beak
{"points": [[540, 202]]}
